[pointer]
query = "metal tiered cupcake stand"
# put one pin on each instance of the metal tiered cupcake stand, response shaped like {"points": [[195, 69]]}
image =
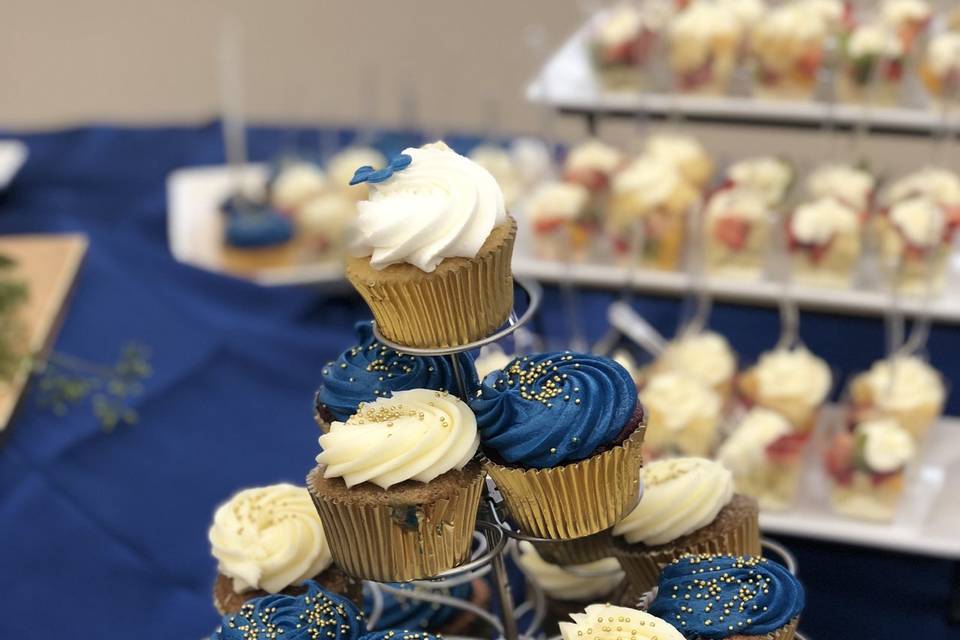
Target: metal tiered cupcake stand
{"points": [[494, 537]]}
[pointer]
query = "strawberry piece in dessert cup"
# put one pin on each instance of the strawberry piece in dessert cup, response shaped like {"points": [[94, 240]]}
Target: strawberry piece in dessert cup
{"points": [[765, 455], [873, 64], [736, 233], [624, 42], [909, 18], [562, 222], [916, 235], [825, 240], [704, 43], [868, 467]]}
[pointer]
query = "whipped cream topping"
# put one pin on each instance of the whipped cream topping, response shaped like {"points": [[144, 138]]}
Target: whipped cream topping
{"points": [[897, 12], [789, 28], [621, 25], [887, 447], [580, 582], [746, 448], [940, 185], [329, 213], [679, 399], [609, 622], [767, 176], [558, 201], [747, 12], [846, 183], [594, 155], [413, 435], [737, 203], [706, 356], [695, 32], [678, 150], [874, 39], [914, 383], [269, 538], [499, 163], [943, 53], [680, 496], [817, 222], [297, 183], [920, 221], [650, 181], [342, 165], [442, 205], [793, 374]]}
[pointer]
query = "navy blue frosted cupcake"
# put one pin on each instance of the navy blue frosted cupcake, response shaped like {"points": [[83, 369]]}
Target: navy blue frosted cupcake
{"points": [[399, 612], [256, 236], [400, 634], [313, 614], [723, 597], [561, 433], [369, 370]]}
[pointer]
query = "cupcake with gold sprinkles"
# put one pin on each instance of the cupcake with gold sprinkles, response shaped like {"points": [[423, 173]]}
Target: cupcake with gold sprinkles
{"points": [[561, 433], [609, 622], [736, 597], [308, 616]]}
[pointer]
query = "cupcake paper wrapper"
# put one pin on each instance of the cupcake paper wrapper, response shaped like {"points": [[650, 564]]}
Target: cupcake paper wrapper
{"points": [[643, 566], [578, 551], [463, 300], [574, 500], [397, 543]]}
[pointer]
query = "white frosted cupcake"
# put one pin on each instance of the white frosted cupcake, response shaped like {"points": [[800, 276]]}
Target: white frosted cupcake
{"points": [[570, 588], [651, 192], [704, 43], [562, 220], [688, 506], [637, 625], [736, 233], [683, 415], [270, 540], [706, 356], [868, 467], [825, 242], [794, 383], [685, 153], [765, 456], [910, 391], [397, 488]]}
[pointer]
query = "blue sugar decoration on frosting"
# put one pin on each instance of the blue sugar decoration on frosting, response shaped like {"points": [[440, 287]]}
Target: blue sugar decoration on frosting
{"points": [[756, 596], [370, 370], [550, 409], [400, 634], [369, 174], [254, 224], [314, 614], [406, 613]]}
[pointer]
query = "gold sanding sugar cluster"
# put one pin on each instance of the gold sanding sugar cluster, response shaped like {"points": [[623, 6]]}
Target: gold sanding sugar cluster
{"points": [[254, 511], [710, 591], [665, 472], [540, 381], [380, 414], [319, 615], [389, 362], [607, 626]]}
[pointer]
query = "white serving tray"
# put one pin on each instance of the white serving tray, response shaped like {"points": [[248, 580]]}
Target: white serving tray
{"points": [[928, 522], [945, 308], [568, 82], [195, 226], [13, 154]]}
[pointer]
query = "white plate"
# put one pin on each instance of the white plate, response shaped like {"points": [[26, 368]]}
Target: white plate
{"points": [[195, 226], [13, 154], [927, 523]]}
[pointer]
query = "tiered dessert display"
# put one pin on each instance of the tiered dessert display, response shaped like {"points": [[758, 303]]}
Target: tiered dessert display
{"points": [[409, 436]]}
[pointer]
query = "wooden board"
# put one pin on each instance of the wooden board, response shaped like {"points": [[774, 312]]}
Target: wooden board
{"points": [[48, 265]]}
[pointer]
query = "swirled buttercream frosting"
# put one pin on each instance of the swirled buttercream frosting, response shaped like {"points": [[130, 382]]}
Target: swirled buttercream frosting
{"points": [[728, 596], [269, 538], [414, 435], [369, 370], [609, 622], [549, 409], [313, 614], [427, 204]]}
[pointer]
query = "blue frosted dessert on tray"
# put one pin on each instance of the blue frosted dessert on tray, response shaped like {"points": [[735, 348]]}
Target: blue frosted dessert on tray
{"points": [[729, 597], [400, 612], [561, 434], [255, 235], [369, 370]]}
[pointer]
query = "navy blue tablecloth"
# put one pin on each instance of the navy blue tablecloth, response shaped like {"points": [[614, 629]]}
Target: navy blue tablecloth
{"points": [[103, 535]]}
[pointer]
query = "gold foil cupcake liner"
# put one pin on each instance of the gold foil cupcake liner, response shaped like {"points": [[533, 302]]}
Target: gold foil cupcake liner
{"points": [[399, 542], [574, 500], [786, 632], [577, 551], [643, 566], [463, 300]]}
